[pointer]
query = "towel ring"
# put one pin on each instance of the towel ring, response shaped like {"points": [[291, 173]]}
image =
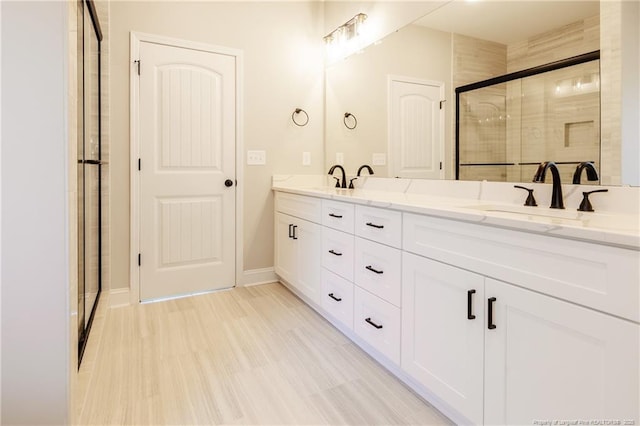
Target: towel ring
{"points": [[298, 111], [355, 121]]}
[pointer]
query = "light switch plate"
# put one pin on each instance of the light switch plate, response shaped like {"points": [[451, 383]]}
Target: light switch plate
{"points": [[306, 158], [340, 158], [256, 158], [379, 159]]}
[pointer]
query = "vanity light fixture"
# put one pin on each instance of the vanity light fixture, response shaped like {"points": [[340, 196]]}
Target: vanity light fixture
{"points": [[345, 39]]}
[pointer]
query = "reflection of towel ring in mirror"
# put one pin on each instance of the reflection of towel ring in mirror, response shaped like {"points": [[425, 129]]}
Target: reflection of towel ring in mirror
{"points": [[355, 121], [298, 111]]}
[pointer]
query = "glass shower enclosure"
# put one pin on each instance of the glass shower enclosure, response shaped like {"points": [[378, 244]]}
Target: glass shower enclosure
{"points": [[507, 125], [89, 170]]}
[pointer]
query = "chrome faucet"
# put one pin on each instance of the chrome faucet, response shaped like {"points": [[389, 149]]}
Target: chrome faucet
{"points": [[592, 173], [556, 192], [364, 166], [344, 176]]}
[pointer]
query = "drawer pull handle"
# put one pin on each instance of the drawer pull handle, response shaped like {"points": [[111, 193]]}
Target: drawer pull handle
{"points": [[335, 253], [373, 270], [337, 299], [337, 216], [490, 324], [470, 294], [373, 225], [368, 320], [294, 232], [290, 230]]}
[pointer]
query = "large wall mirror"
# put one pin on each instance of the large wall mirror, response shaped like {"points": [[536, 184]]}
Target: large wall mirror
{"points": [[456, 45]]}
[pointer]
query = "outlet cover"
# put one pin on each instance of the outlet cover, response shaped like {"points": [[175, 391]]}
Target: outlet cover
{"points": [[306, 158], [256, 158], [340, 158], [379, 159]]}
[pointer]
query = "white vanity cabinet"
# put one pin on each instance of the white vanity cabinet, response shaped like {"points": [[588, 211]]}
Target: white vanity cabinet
{"points": [[542, 357], [298, 243], [550, 359], [443, 321], [492, 325], [500, 354]]}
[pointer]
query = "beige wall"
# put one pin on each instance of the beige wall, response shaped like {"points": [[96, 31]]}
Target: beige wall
{"points": [[283, 69]]}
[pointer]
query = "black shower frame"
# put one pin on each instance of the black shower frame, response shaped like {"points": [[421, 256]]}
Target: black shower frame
{"points": [[552, 66], [83, 337]]}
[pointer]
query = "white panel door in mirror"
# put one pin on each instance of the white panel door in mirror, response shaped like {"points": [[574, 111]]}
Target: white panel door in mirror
{"points": [[416, 128]]}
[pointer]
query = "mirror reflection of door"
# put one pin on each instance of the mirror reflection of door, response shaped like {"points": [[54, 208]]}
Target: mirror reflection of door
{"points": [[416, 128]]}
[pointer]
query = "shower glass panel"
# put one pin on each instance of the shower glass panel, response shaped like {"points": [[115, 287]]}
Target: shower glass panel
{"points": [[89, 170], [508, 125]]}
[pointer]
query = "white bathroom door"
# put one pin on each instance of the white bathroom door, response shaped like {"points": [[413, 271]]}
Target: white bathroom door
{"points": [[187, 171], [416, 128]]}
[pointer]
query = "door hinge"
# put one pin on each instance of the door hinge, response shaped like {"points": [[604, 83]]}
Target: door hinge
{"points": [[139, 259], [137, 62], [441, 102], [139, 164], [441, 165]]}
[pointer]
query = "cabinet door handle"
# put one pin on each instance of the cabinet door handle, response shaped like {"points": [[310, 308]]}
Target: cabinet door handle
{"points": [[335, 253], [470, 294], [368, 320], [370, 268], [291, 230], [295, 237], [490, 324], [373, 225], [337, 299], [337, 216]]}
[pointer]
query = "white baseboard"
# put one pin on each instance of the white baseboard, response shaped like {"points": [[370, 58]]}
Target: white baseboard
{"points": [[257, 277], [122, 297], [119, 297]]}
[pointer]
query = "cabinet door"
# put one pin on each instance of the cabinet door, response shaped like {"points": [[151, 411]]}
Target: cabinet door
{"points": [[285, 254], [549, 359], [443, 331], [308, 242]]}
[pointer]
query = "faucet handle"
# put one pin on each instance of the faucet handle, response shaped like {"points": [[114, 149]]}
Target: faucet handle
{"points": [[585, 205], [337, 181], [531, 201], [351, 182]]}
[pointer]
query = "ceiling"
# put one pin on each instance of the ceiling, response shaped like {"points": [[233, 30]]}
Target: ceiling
{"points": [[507, 21]]}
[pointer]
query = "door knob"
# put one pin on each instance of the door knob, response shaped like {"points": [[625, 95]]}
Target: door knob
{"points": [[228, 183]]}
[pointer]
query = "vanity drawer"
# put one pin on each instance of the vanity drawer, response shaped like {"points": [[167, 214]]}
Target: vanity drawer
{"points": [[338, 215], [383, 226], [337, 297], [308, 208], [337, 252], [378, 270], [593, 275], [378, 323]]}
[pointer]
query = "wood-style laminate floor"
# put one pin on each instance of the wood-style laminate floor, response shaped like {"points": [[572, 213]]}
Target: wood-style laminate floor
{"points": [[253, 355]]}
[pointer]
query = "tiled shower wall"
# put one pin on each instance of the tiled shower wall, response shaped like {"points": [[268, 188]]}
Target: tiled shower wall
{"points": [[476, 60]]}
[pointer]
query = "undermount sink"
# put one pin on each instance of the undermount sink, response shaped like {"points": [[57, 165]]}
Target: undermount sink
{"points": [[594, 220], [525, 210]]}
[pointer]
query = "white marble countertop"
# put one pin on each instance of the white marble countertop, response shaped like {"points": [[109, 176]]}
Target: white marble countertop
{"points": [[484, 203]]}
